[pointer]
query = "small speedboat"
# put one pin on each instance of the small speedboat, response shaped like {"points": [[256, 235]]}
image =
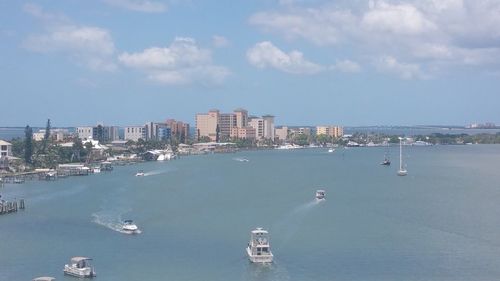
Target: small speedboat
{"points": [[386, 162], [258, 249], [320, 194], [80, 267], [140, 174], [46, 278], [130, 227], [331, 150]]}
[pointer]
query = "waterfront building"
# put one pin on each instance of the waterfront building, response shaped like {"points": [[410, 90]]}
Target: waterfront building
{"points": [[226, 122], [55, 134], [5, 149], [281, 133], [268, 126], [85, 132], [332, 131], [178, 129], [300, 131], [134, 133], [243, 133], [241, 117], [258, 124], [207, 125]]}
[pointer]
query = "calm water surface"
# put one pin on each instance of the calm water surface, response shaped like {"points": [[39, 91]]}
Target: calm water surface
{"points": [[441, 222]]}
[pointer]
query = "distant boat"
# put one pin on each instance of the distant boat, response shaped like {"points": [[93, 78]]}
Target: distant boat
{"points": [[130, 227], [320, 194], [331, 150], [258, 249], [402, 170], [46, 278], [387, 161], [80, 267], [140, 174]]}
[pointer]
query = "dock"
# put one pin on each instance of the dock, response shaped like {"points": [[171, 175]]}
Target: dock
{"points": [[7, 207]]}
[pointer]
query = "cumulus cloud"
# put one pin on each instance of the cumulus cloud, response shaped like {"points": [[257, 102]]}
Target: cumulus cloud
{"points": [[404, 70], [265, 54], [220, 41], [347, 66], [429, 34], [89, 46], [183, 62], [139, 5]]}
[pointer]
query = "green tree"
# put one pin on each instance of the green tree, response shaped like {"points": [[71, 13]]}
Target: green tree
{"points": [[46, 137], [28, 145]]}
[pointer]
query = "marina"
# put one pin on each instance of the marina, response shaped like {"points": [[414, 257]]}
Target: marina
{"points": [[437, 223]]}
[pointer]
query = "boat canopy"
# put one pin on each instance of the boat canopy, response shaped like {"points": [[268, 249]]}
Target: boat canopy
{"points": [[79, 259], [128, 221]]}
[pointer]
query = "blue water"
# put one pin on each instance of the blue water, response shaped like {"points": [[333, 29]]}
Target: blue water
{"points": [[441, 222]]}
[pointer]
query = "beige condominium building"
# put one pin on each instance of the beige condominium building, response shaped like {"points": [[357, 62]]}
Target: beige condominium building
{"points": [[206, 124], [332, 131]]}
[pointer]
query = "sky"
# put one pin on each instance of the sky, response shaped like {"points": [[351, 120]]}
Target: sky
{"points": [[345, 62]]}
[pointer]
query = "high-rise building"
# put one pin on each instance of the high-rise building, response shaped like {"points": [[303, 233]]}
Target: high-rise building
{"points": [[241, 117], [226, 122], [135, 133], [258, 124], [85, 132], [268, 126], [207, 125], [243, 133], [179, 130]]}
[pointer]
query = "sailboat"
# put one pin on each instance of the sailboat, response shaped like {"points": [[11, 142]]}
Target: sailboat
{"points": [[402, 171], [387, 161]]}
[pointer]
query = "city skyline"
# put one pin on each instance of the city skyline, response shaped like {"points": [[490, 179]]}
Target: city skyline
{"points": [[366, 62]]}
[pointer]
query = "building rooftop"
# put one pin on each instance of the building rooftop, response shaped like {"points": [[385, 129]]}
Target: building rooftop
{"points": [[2, 142]]}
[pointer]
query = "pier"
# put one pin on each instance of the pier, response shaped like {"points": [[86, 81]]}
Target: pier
{"points": [[7, 207]]}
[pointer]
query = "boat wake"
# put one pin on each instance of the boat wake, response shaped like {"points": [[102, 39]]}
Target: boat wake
{"points": [[241, 159], [263, 272], [110, 220], [290, 224], [155, 172]]}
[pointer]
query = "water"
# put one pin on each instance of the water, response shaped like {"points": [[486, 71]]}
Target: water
{"points": [[438, 223]]}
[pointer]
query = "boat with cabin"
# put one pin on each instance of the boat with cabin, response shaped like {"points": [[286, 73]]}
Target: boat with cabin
{"points": [[259, 249], [320, 194], [130, 227], [80, 267]]}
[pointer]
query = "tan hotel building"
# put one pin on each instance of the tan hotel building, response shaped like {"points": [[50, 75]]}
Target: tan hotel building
{"points": [[332, 131]]}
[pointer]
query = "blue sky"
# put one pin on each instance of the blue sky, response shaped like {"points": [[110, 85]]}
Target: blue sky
{"points": [[348, 62]]}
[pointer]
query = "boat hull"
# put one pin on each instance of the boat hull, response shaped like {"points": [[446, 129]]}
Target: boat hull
{"points": [[259, 258], [81, 273]]}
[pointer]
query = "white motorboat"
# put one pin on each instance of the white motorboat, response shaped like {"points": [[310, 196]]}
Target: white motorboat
{"points": [[80, 267], [320, 194], [258, 249], [331, 150], [140, 174], [130, 227]]}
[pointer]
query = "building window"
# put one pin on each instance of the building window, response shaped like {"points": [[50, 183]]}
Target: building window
{"points": [[4, 147]]}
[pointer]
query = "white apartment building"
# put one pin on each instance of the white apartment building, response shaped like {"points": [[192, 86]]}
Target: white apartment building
{"points": [[85, 132], [135, 133], [5, 149]]}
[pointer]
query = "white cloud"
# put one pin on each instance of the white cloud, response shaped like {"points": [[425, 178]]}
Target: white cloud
{"points": [[407, 71], [220, 41], [431, 34], [89, 46], [139, 5], [183, 62], [347, 66], [265, 54], [322, 27], [401, 19]]}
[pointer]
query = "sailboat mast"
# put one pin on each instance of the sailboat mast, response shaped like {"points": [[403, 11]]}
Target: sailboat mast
{"points": [[401, 154]]}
